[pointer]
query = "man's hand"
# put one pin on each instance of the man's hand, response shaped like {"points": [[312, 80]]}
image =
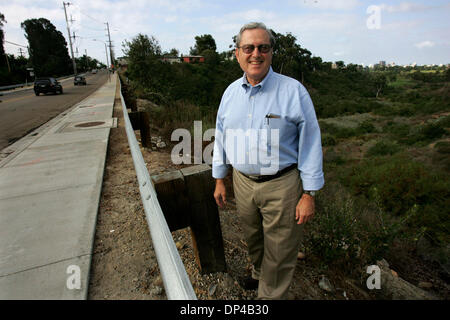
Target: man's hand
{"points": [[305, 209], [220, 193]]}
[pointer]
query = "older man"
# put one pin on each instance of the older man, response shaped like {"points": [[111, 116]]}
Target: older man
{"points": [[268, 132]]}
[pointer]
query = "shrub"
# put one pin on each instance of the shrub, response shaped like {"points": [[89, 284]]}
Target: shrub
{"points": [[444, 122], [383, 148], [333, 158], [347, 234], [424, 134], [442, 155], [328, 140], [432, 131], [365, 127], [442, 147], [396, 129], [404, 188]]}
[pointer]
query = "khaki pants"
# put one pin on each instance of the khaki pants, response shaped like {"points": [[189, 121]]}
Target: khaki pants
{"points": [[267, 210]]}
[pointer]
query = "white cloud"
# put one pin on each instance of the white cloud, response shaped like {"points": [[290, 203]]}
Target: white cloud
{"points": [[15, 14], [331, 4], [404, 7], [425, 44]]}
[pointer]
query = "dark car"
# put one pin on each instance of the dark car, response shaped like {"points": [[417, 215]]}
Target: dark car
{"points": [[45, 85], [79, 80]]}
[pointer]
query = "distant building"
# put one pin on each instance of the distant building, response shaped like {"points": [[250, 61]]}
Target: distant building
{"points": [[382, 63], [230, 57], [193, 59], [334, 65], [171, 59], [123, 63]]}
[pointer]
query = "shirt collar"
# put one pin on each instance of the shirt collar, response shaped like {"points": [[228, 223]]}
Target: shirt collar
{"points": [[246, 84]]}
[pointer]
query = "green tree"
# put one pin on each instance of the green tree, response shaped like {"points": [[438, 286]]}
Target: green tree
{"points": [[202, 43], [86, 63], [379, 82], [2, 36], [290, 58], [47, 48], [144, 65], [173, 52], [340, 64]]}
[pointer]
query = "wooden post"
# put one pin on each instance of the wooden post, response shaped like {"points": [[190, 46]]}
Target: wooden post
{"points": [[170, 188], [204, 216], [145, 129], [186, 199], [140, 120]]}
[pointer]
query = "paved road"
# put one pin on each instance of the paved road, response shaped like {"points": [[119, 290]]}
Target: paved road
{"points": [[23, 111]]}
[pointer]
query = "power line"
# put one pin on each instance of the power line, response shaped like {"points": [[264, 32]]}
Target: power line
{"points": [[90, 17], [85, 27], [19, 45]]}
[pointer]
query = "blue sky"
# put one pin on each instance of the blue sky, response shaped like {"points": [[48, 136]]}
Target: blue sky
{"points": [[404, 31]]}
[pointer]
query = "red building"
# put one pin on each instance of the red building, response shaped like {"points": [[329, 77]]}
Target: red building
{"points": [[193, 59]]}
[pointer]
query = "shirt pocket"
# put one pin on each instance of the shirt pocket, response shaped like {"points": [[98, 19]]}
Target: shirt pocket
{"points": [[280, 131]]}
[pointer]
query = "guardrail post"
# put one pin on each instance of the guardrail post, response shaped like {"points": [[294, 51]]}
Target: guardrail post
{"points": [[170, 188], [140, 120], [186, 198]]}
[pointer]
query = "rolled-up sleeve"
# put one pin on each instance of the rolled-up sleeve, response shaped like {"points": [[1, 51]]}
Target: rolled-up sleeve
{"points": [[309, 146]]}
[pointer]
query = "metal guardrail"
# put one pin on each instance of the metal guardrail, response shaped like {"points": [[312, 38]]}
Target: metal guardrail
{"points": [[175, 279], [14, 86]]}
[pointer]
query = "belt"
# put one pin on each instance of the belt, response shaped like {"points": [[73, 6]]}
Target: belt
{"points": [[264, 178]]}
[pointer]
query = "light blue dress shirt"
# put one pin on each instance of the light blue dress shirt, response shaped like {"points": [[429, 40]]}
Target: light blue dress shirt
{"points": [[267, 127]]}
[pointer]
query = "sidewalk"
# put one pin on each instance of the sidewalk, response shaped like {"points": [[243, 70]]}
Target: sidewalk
{"points": [[50, 188]]}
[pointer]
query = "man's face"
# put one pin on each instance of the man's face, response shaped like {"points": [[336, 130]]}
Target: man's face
{"points": [[255, 64]]}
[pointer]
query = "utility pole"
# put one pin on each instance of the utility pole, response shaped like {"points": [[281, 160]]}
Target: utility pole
{"points": [[76, 51], [110, 46], [107, 61], [20, 51], [70, 39]]}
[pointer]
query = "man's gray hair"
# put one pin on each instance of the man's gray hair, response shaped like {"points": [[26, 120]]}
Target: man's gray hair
{"points": [[254, 25]]}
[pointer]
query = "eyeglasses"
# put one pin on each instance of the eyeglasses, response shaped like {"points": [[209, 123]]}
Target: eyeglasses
{"points": [[263, 48]]}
